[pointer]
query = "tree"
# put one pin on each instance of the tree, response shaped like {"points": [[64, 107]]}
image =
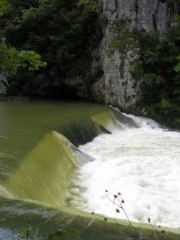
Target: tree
{"points": [[12, 59], [160, 70], [3, 6], [63, 32]]}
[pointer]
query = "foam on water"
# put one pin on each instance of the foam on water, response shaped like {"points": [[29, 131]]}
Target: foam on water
{"points": [[5, 193], [143, 164]]}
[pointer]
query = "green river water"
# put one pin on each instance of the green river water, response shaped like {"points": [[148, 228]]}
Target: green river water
{"points": [[38, 163]]}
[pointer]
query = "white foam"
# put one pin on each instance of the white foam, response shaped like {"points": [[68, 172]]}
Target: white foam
{"points": [[5, 193], [144, 165], [143, 121]]}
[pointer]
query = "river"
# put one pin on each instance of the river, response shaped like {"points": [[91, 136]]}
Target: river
{"points": [[143, 164], [82, 154]]}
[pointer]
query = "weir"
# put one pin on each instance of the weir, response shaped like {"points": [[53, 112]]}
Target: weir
{"points": [[86, 129], [37, 189], [78, 225], [46, 172]]}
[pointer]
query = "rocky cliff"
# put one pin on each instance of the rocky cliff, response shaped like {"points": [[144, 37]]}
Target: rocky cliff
{"points": [[117, 85]]}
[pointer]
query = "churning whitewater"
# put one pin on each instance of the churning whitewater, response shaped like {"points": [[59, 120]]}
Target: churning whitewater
{"points": [[143, 164]]}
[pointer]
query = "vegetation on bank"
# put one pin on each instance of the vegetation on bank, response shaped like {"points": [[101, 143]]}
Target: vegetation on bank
{"points": [[157, 69], [159, 73], [63, 32], [13, 60], [98, 227]]}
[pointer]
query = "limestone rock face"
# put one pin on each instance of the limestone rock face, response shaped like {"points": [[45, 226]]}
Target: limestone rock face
{"points": [[150, 15], [117, 87]]}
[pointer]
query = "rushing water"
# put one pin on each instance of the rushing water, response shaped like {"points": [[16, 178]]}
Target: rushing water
{"points": [[143, 164], [131, 155]]}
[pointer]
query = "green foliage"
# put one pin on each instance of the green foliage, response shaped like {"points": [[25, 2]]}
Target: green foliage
{"points": [[12, 59], [161, 74], [137, 72], [3, 6], [123, 43], [165, 105], [158, 68], [27, 232], [177, 67], [177, 121], [121, 26], [150, 57], [63, 32], [152, 80], [123, 38], [30, 60], [61, 233]]}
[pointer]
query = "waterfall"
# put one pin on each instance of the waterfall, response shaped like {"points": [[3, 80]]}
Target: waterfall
{"points": [[139, 160], [54, 167], [46, 172]]}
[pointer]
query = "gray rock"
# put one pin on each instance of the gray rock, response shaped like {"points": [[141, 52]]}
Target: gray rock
{"points": [[116, 86]]}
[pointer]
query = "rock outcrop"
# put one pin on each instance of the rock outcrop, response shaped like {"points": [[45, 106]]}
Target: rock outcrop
{"points": [[117, 86]]}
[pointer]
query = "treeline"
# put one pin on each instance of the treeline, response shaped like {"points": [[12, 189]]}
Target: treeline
{"points": [[44, 43], [157, 70], [160, 71], [63, 32]]}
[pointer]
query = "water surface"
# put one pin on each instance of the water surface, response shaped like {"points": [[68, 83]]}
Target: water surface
{"points": [[68, 154], [143, 164]]}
